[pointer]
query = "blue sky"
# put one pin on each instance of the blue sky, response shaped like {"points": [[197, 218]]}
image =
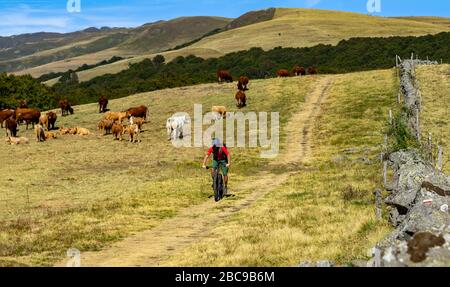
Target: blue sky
{"points": [[26, 16]]}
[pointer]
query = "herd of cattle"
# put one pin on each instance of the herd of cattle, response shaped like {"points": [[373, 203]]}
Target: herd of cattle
{"points": [[44, 124], [112, 122]]}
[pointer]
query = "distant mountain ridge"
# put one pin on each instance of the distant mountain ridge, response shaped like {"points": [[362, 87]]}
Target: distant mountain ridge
{"points": [[30, 50], [208, 37]]}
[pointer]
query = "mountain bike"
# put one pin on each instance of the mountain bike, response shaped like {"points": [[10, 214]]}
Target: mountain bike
{"points": [[217, 182]]}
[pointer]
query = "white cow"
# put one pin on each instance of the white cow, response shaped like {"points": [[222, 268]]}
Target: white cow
{"points": [[175, 127]]}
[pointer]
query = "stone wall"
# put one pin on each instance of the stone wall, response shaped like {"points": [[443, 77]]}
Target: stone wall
{"points": [[419, 197]]}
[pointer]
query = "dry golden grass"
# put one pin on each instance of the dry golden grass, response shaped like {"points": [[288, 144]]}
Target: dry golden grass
{"points": [[313, 216], [289, 28], [435, 88], [90, 192]]}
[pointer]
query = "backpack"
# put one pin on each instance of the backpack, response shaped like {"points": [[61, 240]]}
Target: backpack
{"points": [[220, 154]]}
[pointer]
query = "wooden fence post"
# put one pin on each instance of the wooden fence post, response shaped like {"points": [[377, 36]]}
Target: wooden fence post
{"points": [[440, 158], [418, 124], [399, 98], [390, 117], [378, 203], [385, 170], [430, 147]]}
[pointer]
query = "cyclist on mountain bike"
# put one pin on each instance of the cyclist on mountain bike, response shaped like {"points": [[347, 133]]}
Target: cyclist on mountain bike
{"points": [[220, 154]]}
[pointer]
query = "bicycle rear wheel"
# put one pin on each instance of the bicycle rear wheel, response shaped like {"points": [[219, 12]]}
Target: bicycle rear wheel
{"points": [[218, 186]]}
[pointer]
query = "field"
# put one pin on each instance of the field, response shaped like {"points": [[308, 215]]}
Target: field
{"points": [[325, 210], [435, 87], [90, 192], [148, 203], [289, 28]]}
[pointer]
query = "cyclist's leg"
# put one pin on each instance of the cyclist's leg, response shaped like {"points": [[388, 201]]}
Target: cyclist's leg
{"points": [[215, 165], [225, 175]]}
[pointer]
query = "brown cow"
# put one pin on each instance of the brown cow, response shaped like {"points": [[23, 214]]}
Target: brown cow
{"points": [[240, 99], [43, 121], [118, 131], [23, 104], [30, 116], [298, 71], [116, 116], [64, 131], [52, 117], [283, 73], [17, 141], [138, 112], [40, 133], [103, 105], [11, 126], [82, 131], [66, 108], [220, 110], [105, 126], [6, 114], [133, 131], [137, 121], [50, 135], [224, 76], [243, 83], [312, 71]]}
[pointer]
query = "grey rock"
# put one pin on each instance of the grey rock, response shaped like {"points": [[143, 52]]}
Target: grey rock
{"points": [[305, 264], [325, 264]]}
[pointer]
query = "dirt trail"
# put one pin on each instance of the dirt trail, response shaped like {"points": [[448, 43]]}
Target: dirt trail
{"points": [[154, 246]]}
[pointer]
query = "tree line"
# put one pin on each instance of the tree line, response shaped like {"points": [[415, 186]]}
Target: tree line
{"points": [[353, 55]]}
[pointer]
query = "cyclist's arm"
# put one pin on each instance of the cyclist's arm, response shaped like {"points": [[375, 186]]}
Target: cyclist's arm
{"points": [[208, 154], [228, 156]]}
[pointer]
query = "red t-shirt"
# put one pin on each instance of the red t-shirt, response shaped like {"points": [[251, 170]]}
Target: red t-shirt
{"points": [[222, 153]]}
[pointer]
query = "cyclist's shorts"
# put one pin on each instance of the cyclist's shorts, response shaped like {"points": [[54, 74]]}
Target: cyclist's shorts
{"points": [[224, 166]]}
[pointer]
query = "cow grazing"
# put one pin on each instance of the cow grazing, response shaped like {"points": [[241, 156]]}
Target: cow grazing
{"points": [[66, 108], [243, 83], [118, 130], [11, 126], [50, 135], [6, 114], [102, 105], [312, 71], [138, 112], [29, 116], [134, 131], [220, 111], [224, 76], [116, 116], [175, 126], [52, 117], [17, 141], [283, 73], [137, 121], [23, 104], [40, 133], [240, 99], [298, 71], [105, 126]]}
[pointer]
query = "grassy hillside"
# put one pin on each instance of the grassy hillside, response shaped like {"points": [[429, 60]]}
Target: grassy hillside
{"points": [[435, 87], [288, 28], [148, 38], [358, 54]]}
